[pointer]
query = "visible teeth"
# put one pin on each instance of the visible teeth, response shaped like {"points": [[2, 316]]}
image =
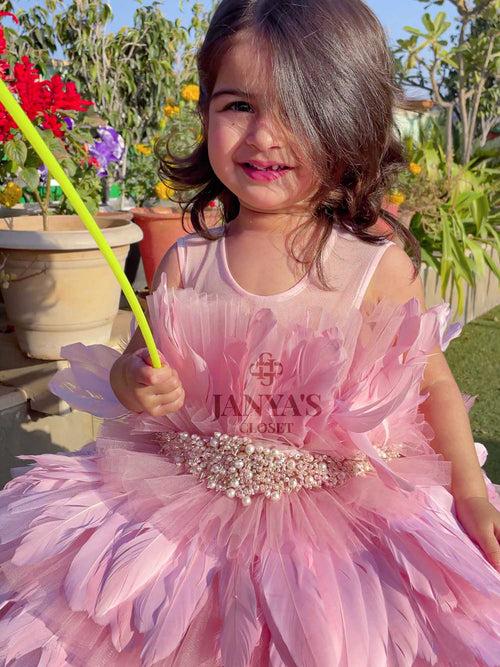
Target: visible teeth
{"points": [[273, 168]]}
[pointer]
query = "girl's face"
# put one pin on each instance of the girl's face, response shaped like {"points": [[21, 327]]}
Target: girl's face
{"points": [[244, 133]]}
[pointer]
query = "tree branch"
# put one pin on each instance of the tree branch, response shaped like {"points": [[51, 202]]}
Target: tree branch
{"points": [[477, 100], [462, 92]]}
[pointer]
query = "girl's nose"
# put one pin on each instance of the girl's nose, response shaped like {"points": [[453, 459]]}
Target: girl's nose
{"points": [[262, 134]]}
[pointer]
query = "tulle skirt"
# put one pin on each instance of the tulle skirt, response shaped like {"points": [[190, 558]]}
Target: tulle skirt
{"points": [[116, 556], [120, 555]]}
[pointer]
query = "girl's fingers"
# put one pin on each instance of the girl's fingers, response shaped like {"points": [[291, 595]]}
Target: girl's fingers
{"points": [[165, 399], [164, 403], [144, 374], [491, 547]]}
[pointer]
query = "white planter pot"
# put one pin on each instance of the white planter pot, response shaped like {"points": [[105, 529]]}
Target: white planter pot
{"points": [[64, 291]]}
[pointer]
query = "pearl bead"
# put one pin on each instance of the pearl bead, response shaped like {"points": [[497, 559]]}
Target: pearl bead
{"points": [[231, 463]]}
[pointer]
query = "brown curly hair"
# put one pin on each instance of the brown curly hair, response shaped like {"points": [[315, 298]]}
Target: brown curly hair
{"points": [[334, 82]]}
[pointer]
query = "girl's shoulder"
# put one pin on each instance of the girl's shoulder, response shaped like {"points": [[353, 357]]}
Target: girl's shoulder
{"points": [[174, 260], [194, 239], [169, 264], [394, 278]]}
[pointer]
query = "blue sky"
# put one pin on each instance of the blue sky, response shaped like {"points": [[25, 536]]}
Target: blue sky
{"points": [[394, 14]]}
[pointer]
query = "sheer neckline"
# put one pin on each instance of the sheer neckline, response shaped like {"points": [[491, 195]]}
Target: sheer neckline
{"points": [[294, 289]]}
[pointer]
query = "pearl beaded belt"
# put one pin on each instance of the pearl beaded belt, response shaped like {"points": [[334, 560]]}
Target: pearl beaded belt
{"points": [[235, 465]]}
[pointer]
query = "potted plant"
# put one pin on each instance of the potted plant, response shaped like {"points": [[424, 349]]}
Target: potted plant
{"points": [[456, 224], [138, 80], [50, 265], [451, 195]]}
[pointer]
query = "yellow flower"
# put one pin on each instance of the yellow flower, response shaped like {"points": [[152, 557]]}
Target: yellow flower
{"points": [[396, 198], [11, 194], [163, 191], [414, 168], [144, 149], [191, 93], [171, 110]]}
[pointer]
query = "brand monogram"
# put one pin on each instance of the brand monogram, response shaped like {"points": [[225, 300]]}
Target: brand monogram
{"points": [[265, 369], [280, 406]]}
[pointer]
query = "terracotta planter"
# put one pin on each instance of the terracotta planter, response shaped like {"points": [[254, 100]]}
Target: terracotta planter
{"points": [[161, 228], [404, 217], [64, 291]]}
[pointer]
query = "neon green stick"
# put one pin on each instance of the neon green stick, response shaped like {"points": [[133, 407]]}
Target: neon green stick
{"points": [[55, 169]]}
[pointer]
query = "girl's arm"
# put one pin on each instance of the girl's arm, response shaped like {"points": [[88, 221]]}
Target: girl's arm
{"points": [[118, 375], [444, 409]]}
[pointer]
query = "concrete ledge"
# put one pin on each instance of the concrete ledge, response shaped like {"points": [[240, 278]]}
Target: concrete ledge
{"points": [[11, 398], [30, 377], [32, 419], [24, 431]]}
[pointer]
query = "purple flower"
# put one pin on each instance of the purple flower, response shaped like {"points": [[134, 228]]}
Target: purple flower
{"points": [[108, 148], [69, 122], [44, 172]]}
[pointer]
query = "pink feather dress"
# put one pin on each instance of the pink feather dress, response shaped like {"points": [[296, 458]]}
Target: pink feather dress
{"points": [[291, 514]]}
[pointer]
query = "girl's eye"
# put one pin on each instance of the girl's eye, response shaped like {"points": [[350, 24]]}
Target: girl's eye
{"points": [[238, 103]]}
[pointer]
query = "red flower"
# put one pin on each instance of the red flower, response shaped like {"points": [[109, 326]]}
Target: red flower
{"points": [[40, 98], [3, 43], [65, 96], [32, 96], [12, 16], [43, 101], [50, 122]]}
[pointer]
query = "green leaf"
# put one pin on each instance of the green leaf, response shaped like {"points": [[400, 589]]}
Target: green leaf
{"points": [[428, 23], [69, 167], [30, 177], [461, 262], [429, 259], [478, 254], [16, 151], [449, 60], [460, 296], [33, 159], [492, 265], [446, 254], [413, 31], [439, 19], [479, 208]]}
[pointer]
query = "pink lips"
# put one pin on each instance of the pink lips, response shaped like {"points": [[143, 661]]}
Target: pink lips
{"points": [[263, 176]]}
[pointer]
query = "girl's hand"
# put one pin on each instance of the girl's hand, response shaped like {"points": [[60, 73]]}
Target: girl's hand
{"points": [[142, 388], [481, 521]]}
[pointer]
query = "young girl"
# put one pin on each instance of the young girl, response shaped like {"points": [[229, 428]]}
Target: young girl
{"points": [[298, 484]]}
